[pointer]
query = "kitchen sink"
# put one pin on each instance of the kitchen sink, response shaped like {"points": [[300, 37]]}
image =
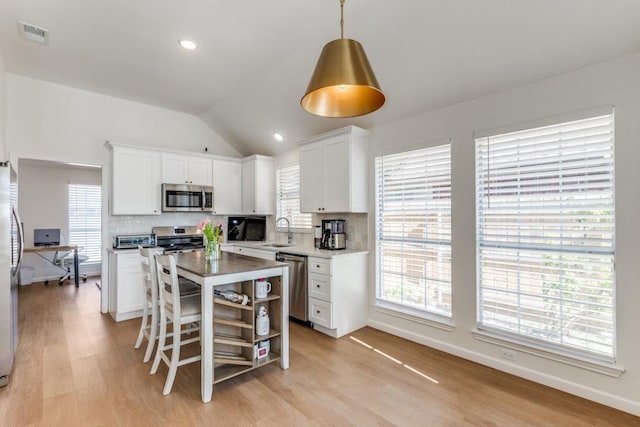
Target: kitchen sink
{"points": [[278, 245]]}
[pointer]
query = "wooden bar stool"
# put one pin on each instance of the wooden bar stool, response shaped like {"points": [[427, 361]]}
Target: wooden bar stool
{"points": [[149, 327], [150, 318], [179, 311]]}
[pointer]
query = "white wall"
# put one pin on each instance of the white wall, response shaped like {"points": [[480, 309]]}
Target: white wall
{"points": [[48, 121], [3, 109], [616, 82], [54, 122], [43, 200]]}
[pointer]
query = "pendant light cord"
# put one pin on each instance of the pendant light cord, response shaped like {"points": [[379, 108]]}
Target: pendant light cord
{"points": [[341, 19]]}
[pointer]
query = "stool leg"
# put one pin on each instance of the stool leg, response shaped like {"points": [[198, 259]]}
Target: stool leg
{"points": [[153, 333], [161, 341], [143, 325], [175, 357]]}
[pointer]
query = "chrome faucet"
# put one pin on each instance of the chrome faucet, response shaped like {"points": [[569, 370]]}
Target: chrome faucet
{"points": [[289, 235]]}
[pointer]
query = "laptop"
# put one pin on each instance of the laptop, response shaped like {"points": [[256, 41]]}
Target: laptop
{"points": [[46, 237]]}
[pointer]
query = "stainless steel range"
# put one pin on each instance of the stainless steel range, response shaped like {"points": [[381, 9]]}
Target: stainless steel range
{"points": [[179, 239]]}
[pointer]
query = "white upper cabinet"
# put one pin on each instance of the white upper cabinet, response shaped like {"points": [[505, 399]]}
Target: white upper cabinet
{"points": [[185, 169], [135, 181], [333, 171], [227, 187], [257, 185]]}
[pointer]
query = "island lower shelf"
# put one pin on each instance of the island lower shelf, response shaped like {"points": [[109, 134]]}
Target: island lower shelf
{"points": [[236, 342]]}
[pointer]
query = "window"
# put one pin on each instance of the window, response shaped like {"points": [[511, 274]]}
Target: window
{"points": [[545, 236], [288, 197], [413, 230], [84, 219]]}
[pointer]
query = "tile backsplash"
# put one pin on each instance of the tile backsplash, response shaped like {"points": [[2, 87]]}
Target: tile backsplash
{"points": [[356, 226], [356, 230], [131, 224]]}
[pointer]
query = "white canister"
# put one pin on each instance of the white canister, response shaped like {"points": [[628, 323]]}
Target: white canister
{"points": [[262, 325], [262, 322], [262, 288]]}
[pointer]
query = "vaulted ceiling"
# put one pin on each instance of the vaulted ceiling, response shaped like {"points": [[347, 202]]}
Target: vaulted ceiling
{"points": [[254, 58]]}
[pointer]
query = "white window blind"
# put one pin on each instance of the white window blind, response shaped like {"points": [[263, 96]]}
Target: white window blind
{"points": [[85, 219], [288, 197], [413, 229], [545, 235]]}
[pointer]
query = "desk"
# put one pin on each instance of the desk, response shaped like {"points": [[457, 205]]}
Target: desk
{"points": [[231, 268], [74, 248]]}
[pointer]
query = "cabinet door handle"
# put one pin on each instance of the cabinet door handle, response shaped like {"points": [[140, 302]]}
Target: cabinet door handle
{"points": [[317, 286], [317, 311]]}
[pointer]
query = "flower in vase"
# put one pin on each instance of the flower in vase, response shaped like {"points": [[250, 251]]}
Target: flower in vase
{"points": [[213, 233]]}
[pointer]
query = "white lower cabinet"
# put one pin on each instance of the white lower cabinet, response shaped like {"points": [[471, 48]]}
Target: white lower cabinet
{"points": [[338, 293], [126, 297]]}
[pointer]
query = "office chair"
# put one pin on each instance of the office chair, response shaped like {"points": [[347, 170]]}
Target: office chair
{"points": [[64, 261], [67, 262]]}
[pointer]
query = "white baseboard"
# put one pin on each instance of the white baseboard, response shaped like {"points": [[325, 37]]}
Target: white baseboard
{"points": [[618, 402], [57, 276]]}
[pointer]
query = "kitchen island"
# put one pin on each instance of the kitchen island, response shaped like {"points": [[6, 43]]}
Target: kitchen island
{"points": [[231, 351]]}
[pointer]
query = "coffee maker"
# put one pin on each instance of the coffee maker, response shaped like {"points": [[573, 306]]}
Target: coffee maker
{"points": [[333, 236]]}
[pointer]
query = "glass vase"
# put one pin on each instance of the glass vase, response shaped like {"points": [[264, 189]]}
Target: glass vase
{"points": [[212, 250]]}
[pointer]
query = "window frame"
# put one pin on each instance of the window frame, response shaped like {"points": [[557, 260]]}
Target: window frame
{"points": [[98, 216], [432, 318], [591, 360], [278, 227]]}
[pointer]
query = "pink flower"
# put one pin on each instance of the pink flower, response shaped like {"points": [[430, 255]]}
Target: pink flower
{"points": [[203, 224], [211, 233]]}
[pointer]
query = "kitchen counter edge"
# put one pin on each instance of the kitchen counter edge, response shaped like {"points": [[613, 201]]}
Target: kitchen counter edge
{"points": [[296, 250]]}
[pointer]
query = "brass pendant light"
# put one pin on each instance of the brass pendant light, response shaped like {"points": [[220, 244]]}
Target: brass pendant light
{"points": [[343, 83]]}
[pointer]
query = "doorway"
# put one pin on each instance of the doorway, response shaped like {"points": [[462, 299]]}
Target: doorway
{"points": [[57, 195]]}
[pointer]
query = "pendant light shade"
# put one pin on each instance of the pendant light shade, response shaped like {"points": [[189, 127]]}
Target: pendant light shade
{"points": [[343, 83]]}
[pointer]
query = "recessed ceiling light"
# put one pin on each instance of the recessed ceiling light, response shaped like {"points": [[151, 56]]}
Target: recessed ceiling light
{"points": [[188, 44], [278, 137]]}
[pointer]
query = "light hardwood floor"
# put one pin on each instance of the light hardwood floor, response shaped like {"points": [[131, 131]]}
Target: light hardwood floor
{"points": [[77, 367]]}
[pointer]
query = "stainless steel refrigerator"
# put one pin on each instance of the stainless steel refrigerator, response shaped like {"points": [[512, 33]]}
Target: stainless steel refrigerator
{"points": [[11, 251]]}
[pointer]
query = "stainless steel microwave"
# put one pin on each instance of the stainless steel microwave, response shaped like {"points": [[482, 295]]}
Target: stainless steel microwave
{"points": [[187, 198]]}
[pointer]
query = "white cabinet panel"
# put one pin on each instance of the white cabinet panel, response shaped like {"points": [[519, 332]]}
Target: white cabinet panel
{"points": [[135, 182], [338, 296], [321, 313], [333, 172], [227, 187], [126, 296], [185, 169], [319, 265], [311, 196], [258, 185], [320, 286]]}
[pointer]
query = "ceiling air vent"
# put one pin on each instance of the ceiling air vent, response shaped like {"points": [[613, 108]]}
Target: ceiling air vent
{"points": [[33, 33]]}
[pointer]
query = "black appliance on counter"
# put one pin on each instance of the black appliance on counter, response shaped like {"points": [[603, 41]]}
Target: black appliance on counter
{"points": [[246, 228], [333, 235], [179, 239]]}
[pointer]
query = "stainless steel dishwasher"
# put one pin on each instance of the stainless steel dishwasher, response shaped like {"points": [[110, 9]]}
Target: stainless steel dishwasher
{"points": [[298, 293]]}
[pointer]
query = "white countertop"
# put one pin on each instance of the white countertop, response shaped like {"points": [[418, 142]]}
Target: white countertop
{"points": [[295, 249], [298, 250]]}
